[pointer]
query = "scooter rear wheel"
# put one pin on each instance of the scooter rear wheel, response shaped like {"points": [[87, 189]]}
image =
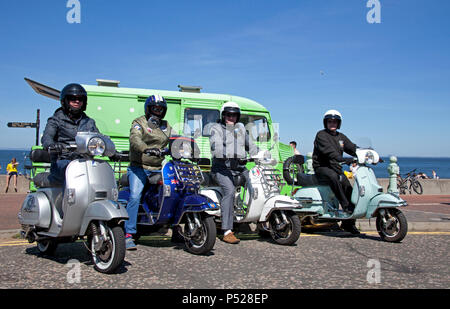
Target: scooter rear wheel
{"points": [[395, 228]]}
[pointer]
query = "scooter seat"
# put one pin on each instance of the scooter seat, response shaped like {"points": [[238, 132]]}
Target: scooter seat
{"points": [[239, 180], [43, 180], [154, 179], [40, 156], [208, 180], [306, 180]]}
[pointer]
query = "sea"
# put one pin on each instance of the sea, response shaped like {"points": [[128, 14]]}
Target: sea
{"points": [[406, 164]]}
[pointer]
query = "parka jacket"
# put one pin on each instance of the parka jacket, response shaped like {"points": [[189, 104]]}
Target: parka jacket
{"points": [[61, 129], [143, 137]]}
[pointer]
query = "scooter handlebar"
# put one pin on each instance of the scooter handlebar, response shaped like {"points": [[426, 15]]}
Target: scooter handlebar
{"points": [[61, 148]]}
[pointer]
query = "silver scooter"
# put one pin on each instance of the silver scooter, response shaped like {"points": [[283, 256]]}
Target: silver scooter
{"points": [[85, 206]]}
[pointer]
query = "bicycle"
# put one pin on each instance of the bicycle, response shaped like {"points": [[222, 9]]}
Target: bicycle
{"points": [[411, 179]]}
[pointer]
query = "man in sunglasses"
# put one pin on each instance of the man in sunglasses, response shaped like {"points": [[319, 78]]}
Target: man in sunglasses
{"points": [[62, 128], [229, 142]]}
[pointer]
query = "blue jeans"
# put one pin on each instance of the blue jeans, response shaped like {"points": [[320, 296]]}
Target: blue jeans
{"points": [[58, 171], [137, 178]]}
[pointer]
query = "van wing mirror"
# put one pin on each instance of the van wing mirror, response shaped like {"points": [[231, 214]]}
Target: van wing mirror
{"points": [[43, 89]]}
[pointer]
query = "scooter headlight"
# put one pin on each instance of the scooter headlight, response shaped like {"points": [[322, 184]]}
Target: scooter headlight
{"points": [[369, 159], [96, 146]]}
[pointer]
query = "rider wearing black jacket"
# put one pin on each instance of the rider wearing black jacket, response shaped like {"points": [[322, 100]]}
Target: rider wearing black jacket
{"points": [[329, 147], [63, 126]]}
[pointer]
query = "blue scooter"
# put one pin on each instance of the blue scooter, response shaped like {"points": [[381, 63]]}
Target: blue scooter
{"points": [[171, 198]]}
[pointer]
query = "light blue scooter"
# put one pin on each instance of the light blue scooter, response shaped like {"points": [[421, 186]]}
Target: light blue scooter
{"points": [[320, 204]]}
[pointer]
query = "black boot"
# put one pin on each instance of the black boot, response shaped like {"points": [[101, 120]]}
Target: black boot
{"points": [[349, 226], [177, 238]]}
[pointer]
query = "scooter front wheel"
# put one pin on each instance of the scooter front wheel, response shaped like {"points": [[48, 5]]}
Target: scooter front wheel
{"points": [[285, 227], [392, 225], [202, 240], [108, 256]]}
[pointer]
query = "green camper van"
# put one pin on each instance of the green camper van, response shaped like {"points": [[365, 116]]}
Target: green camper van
{"points": [[189, 112]]}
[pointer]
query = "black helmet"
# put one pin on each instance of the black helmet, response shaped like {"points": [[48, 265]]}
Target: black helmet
{"points": [[152, 102], [73, 90]]}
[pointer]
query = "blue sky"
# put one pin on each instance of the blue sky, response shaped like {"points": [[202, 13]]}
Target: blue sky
{"points": [[391, 81]]}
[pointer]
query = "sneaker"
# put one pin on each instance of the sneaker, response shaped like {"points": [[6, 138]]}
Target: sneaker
{"points": [[129, 243], [231, 239]]}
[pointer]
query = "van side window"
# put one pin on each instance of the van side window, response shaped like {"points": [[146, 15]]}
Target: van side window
{"points": [[198, 122], [257, 127]]}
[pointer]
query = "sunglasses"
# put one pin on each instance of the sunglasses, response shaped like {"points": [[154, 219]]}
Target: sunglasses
{"points": [[230, 115], [73, 98]]}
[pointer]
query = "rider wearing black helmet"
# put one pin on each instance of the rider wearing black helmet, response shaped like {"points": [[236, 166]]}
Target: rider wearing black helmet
{"points": [[63, 126], [329, 147]]}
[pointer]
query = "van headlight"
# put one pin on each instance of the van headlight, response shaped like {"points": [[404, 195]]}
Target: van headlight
{"points": [[96, 146]]}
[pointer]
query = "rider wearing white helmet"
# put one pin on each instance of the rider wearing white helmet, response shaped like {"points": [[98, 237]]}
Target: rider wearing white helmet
{"points": [[329, 147], [229, 142]]}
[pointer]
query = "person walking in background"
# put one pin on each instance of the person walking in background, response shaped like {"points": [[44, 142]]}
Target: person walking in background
{"points": [[11, 170], [293, 145], [435, 176]]}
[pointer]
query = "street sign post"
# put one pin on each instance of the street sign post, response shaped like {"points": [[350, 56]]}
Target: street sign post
{"points": [[28, 125]]}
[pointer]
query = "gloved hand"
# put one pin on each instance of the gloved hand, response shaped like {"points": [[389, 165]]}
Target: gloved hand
{"points": [[57, 148], [116, 157], [153, 152]]}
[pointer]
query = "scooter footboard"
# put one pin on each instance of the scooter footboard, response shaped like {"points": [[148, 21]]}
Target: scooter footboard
{"points": [[104, 210]]}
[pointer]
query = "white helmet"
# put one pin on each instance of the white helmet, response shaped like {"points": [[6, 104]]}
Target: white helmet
{"points": [[230, 107], [332, 114]]}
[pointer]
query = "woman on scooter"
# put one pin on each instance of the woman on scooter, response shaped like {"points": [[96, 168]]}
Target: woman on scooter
{"points": [[149, 134], [229, 142], [62, 128], [329, 146]]}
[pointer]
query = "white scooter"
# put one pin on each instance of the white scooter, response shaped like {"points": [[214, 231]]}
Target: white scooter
{"points": [[261, 202], [86, 206]]}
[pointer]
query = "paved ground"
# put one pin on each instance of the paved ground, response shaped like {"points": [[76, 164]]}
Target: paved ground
{"points": [[318, 260], [330, 260]]}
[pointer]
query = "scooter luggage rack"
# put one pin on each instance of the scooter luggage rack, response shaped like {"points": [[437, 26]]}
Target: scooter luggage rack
{"points": [[271, 180], [188, 173]]}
